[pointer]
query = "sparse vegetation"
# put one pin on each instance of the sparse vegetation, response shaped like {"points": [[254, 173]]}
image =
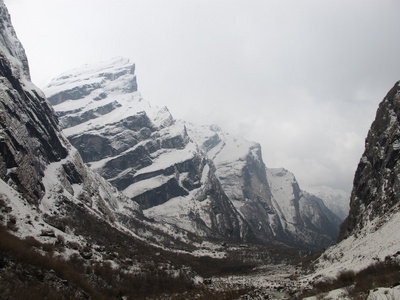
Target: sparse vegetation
{"points": [[44, 270], [306, 262], [24, 271], [380, 274]]}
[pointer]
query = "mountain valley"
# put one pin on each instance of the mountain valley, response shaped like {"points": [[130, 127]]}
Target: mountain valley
{"points": [[103, 196]]}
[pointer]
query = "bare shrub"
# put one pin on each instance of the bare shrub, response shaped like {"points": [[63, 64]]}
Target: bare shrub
{"points": [[380, 274], [346, 278]]}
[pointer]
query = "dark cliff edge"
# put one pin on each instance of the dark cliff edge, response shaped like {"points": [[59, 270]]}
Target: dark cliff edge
{"points": [[29, 135], [376, 188]]}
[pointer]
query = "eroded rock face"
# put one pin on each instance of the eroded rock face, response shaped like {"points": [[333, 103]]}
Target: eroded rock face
{"points": [[77, 92], [377, 182]]}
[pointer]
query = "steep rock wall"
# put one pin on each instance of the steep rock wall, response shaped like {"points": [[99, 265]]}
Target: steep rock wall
{"points": [[377, 181]]}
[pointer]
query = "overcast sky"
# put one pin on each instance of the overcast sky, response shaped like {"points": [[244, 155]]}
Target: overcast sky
{"points": [[301, 77]]}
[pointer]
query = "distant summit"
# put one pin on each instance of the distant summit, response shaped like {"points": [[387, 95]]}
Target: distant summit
{"points": [[336, 200], [96, 78]]}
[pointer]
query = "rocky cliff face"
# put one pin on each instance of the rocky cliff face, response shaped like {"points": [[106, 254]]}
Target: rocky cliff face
{"points": [[29, 137], [370, 232], [269, 199], [304, 218], [239, 168], [195, 177], [376, 183], [33, 152], [336, 200]]}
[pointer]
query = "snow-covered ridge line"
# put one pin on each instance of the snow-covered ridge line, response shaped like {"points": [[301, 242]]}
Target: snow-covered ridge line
{"points": [[91, 74]]}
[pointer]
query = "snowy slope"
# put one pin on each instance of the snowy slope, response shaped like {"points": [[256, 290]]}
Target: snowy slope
{"points": [[378, 240]]}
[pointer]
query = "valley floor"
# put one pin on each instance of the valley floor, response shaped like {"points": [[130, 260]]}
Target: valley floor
{"points": [[380, 280], [265, 282]]}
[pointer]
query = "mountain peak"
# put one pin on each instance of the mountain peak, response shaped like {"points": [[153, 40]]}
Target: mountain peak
{"points": [[117, 74], [11, 47], [336, 200]]}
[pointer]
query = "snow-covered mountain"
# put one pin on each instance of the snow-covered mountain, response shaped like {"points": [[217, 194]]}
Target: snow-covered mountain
{"points": [[66, 232], [42, 176], [269, 199], [196, 177], [305, 216], [336, 200], [178, 190], [370, 233], [141, 150]]}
